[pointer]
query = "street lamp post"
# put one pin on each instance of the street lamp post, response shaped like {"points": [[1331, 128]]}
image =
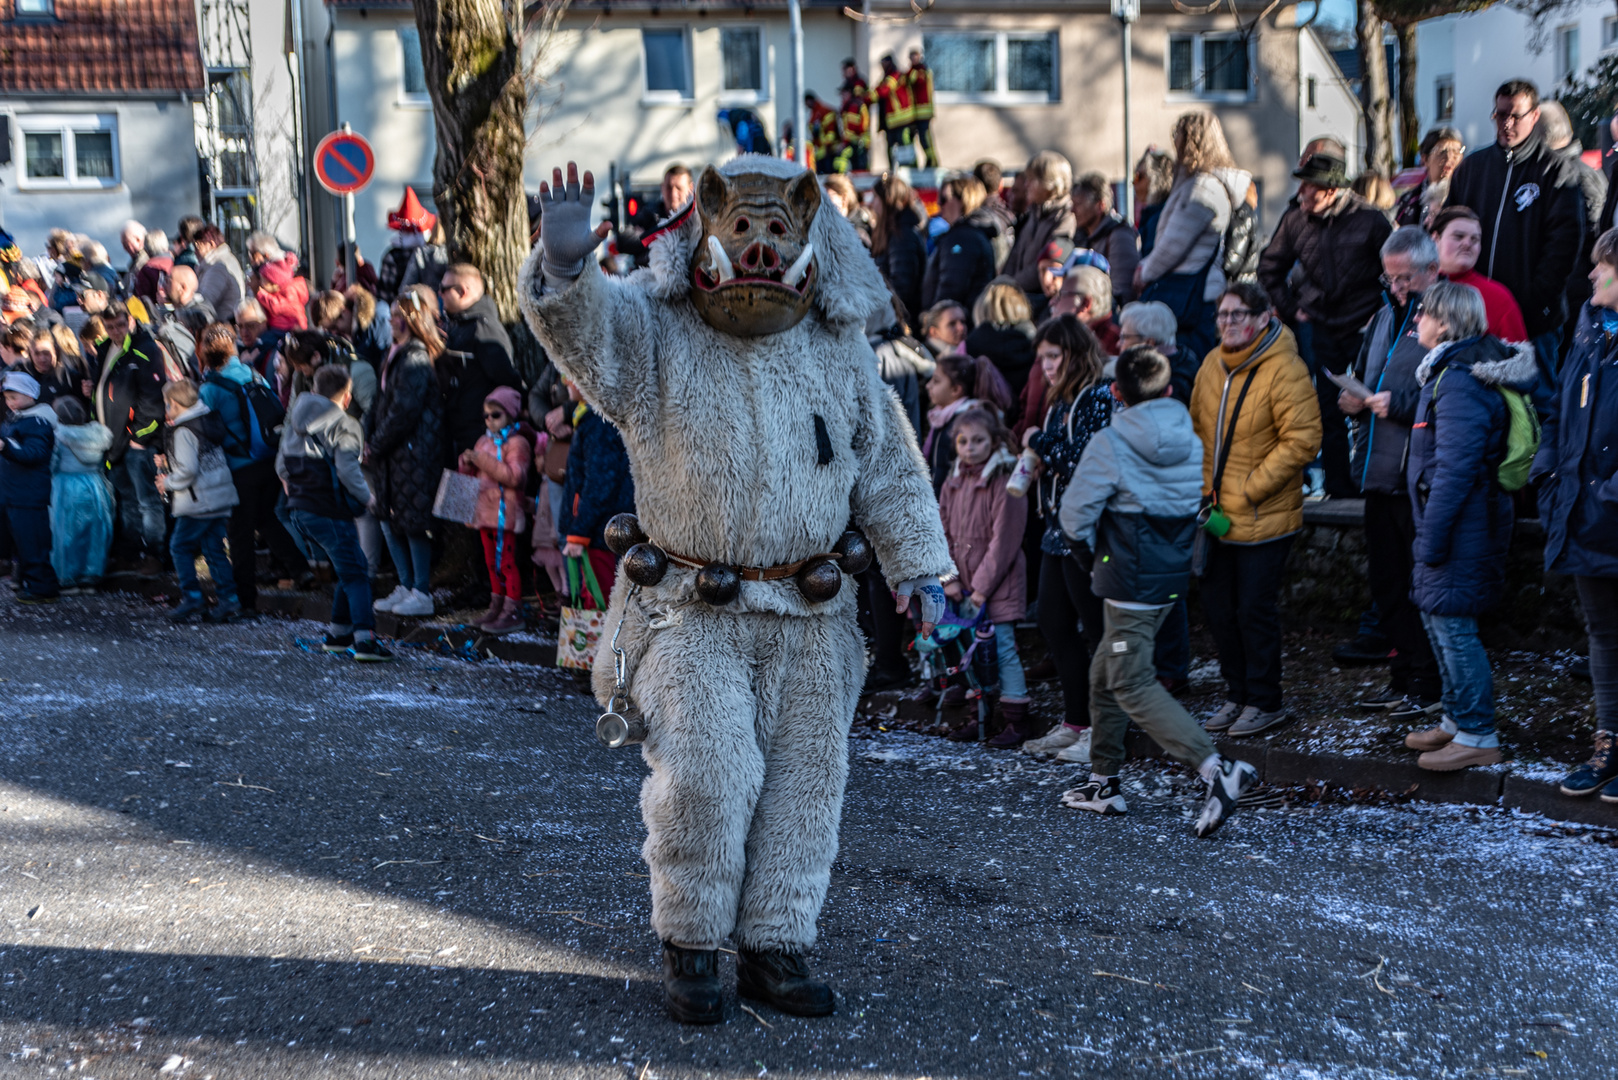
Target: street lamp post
{"points": [[1126, 12], [800, 113]]}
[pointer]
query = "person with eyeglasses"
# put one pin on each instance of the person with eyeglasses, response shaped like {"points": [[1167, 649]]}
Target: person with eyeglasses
{"points": [[1255, 409], [1530, 210], [1442, 150], [1387, 367]]}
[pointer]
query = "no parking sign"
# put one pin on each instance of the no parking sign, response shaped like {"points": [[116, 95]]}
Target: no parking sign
{"points": [[344, 162]]}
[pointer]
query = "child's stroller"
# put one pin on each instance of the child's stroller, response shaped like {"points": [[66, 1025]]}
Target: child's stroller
{"points": [[961, 656]]}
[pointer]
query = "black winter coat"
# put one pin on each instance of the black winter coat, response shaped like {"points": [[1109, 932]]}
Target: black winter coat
{"points": [[129, 393], [1577, 464], [467, 380], [404, 436], [904, 264], [1010, 347], [598, 483], [1388, 359], [1338, 258], [1593, 191], [1529, 204], [962, 263]]}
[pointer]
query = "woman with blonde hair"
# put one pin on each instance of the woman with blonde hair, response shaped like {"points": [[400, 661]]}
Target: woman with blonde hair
{"points": [[962, 263], [1003, 331], [1183, 270], [1048, 189], [404, 447]]}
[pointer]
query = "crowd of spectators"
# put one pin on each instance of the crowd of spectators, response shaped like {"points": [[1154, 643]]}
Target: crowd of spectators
{"points": [[1442, 353]]}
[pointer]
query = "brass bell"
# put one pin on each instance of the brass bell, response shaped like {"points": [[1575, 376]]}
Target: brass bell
{"points": [[854, 551], [718, 584], [645, 564], [623, 532], [820, 579]]}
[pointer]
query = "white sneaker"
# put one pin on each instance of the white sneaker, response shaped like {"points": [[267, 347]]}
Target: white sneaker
{"points": [[388, 602], [1060, 738], [1079, 752], [416, 603]]}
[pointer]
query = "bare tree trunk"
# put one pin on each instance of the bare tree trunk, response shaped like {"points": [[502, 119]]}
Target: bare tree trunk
{"points": [[471, 51], [1409, 116], [1375, 96]]}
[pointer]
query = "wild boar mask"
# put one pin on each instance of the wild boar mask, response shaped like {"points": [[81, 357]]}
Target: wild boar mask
{"points": [[754, 270]]}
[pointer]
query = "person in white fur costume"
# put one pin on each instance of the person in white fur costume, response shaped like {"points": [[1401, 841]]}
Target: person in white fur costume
{"points": [[737, 369]]}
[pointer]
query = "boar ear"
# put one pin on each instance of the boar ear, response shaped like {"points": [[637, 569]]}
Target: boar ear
{"points": [[803, 195], [713, 193]]}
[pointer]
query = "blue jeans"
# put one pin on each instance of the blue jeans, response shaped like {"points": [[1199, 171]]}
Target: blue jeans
{"points": [[195, 536], [1468, 682], [340, 539], [140, 507], [1012, 682], [412, 555]]}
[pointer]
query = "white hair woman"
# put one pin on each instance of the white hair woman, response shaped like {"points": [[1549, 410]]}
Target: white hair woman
{"points": [[1048, 187]]}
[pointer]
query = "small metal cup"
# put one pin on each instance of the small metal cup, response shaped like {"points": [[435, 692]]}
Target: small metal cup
{"points": [[615, 729]]}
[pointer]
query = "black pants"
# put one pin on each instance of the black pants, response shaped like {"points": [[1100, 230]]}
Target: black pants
{"points": [[256, 490], [26, 531], [1598, 596], [1390, 539], [1070, 619], [887, 626], [1334, 351], [1241, 592]]}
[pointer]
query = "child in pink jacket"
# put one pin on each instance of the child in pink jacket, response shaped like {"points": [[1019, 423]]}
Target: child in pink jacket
{"points": [[501, 460], [985, 527]]}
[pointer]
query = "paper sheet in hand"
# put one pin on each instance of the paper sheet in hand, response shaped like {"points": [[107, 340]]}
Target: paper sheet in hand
{"points": [[1353, 386], [457, 498]]}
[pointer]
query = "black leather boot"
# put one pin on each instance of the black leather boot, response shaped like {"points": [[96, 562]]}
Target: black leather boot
{"points": [[781, 979], [691, 985]]}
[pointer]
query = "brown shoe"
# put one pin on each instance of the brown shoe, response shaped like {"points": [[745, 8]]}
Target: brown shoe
{"points": [[497, 603], [509, 619], [1434, 738], [1454, 757]]}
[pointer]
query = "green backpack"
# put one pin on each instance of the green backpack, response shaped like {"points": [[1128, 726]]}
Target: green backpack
{"points": [[1522, 436]]}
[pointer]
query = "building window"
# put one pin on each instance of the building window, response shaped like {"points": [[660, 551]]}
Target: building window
{"points": [[69, 151], [1567, 54], [741, 60], [412, 73], [1004, 68], [1444, 107], [667, 62], [1311, 91], [1609, 31], [36, 7], [1211, 66]]}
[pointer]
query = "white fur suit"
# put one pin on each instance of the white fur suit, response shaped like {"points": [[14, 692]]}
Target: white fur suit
{"points": [[749, 704]]}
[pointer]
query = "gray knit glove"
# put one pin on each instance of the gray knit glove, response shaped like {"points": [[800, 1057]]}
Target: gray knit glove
{"points": [[928, 593], [564, 227]]}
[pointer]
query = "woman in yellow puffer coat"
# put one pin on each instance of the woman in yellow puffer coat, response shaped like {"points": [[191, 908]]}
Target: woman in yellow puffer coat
{"points": [[1276, 434]]}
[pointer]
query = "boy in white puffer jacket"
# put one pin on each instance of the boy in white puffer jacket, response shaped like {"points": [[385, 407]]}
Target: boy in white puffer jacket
{"points": [[200, 493]]}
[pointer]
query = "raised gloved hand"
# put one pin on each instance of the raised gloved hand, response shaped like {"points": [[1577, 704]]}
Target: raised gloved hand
{"points": [[929, 593], [564, 229]]}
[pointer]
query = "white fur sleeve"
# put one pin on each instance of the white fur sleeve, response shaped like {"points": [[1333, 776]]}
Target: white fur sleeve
{"points": [[893, 499], [600, 332]]}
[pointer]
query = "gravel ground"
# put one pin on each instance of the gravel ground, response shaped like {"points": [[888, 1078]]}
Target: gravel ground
{"points": [[224, 855]]}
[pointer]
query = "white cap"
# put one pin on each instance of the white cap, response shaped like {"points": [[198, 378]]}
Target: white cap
{"points": [[22, 383]]}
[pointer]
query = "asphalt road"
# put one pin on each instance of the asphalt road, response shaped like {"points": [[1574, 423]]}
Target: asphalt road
{"points": [[223, 855]]}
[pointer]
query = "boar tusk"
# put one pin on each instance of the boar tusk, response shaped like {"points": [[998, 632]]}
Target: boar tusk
{"points": [[799, 268], [722, 268]]}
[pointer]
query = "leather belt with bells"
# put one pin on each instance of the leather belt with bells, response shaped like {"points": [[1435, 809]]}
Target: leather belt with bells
{"points": [[752, 573]]}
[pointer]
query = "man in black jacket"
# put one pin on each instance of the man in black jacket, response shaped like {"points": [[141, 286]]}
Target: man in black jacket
{"points": [[1322, 266], [1387, 366], [129, 401], [1527, 199], [1557, 131], [477, 357]]}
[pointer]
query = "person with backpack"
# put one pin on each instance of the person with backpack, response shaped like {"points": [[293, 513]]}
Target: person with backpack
{"points": [[197, 485], [252, 418], [1472, 443], [1323, 267], [318, 461], [1186, 267]]}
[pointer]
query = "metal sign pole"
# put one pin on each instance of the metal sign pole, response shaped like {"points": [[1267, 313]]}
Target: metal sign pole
{"points": [[1127, 11], [348, 230], [800, 112]]}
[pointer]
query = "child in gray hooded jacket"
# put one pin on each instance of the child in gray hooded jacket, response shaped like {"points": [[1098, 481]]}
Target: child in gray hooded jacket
{"points": [[200, 492], [1132, 508]]}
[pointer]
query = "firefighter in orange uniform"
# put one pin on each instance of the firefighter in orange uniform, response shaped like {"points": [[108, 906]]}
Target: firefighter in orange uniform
{"points": [[854, 130], [892, 94], [920, 80], [823, 137]]}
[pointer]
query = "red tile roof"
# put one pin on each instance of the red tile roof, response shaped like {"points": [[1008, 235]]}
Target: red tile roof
{"points": [[101, 46]]}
